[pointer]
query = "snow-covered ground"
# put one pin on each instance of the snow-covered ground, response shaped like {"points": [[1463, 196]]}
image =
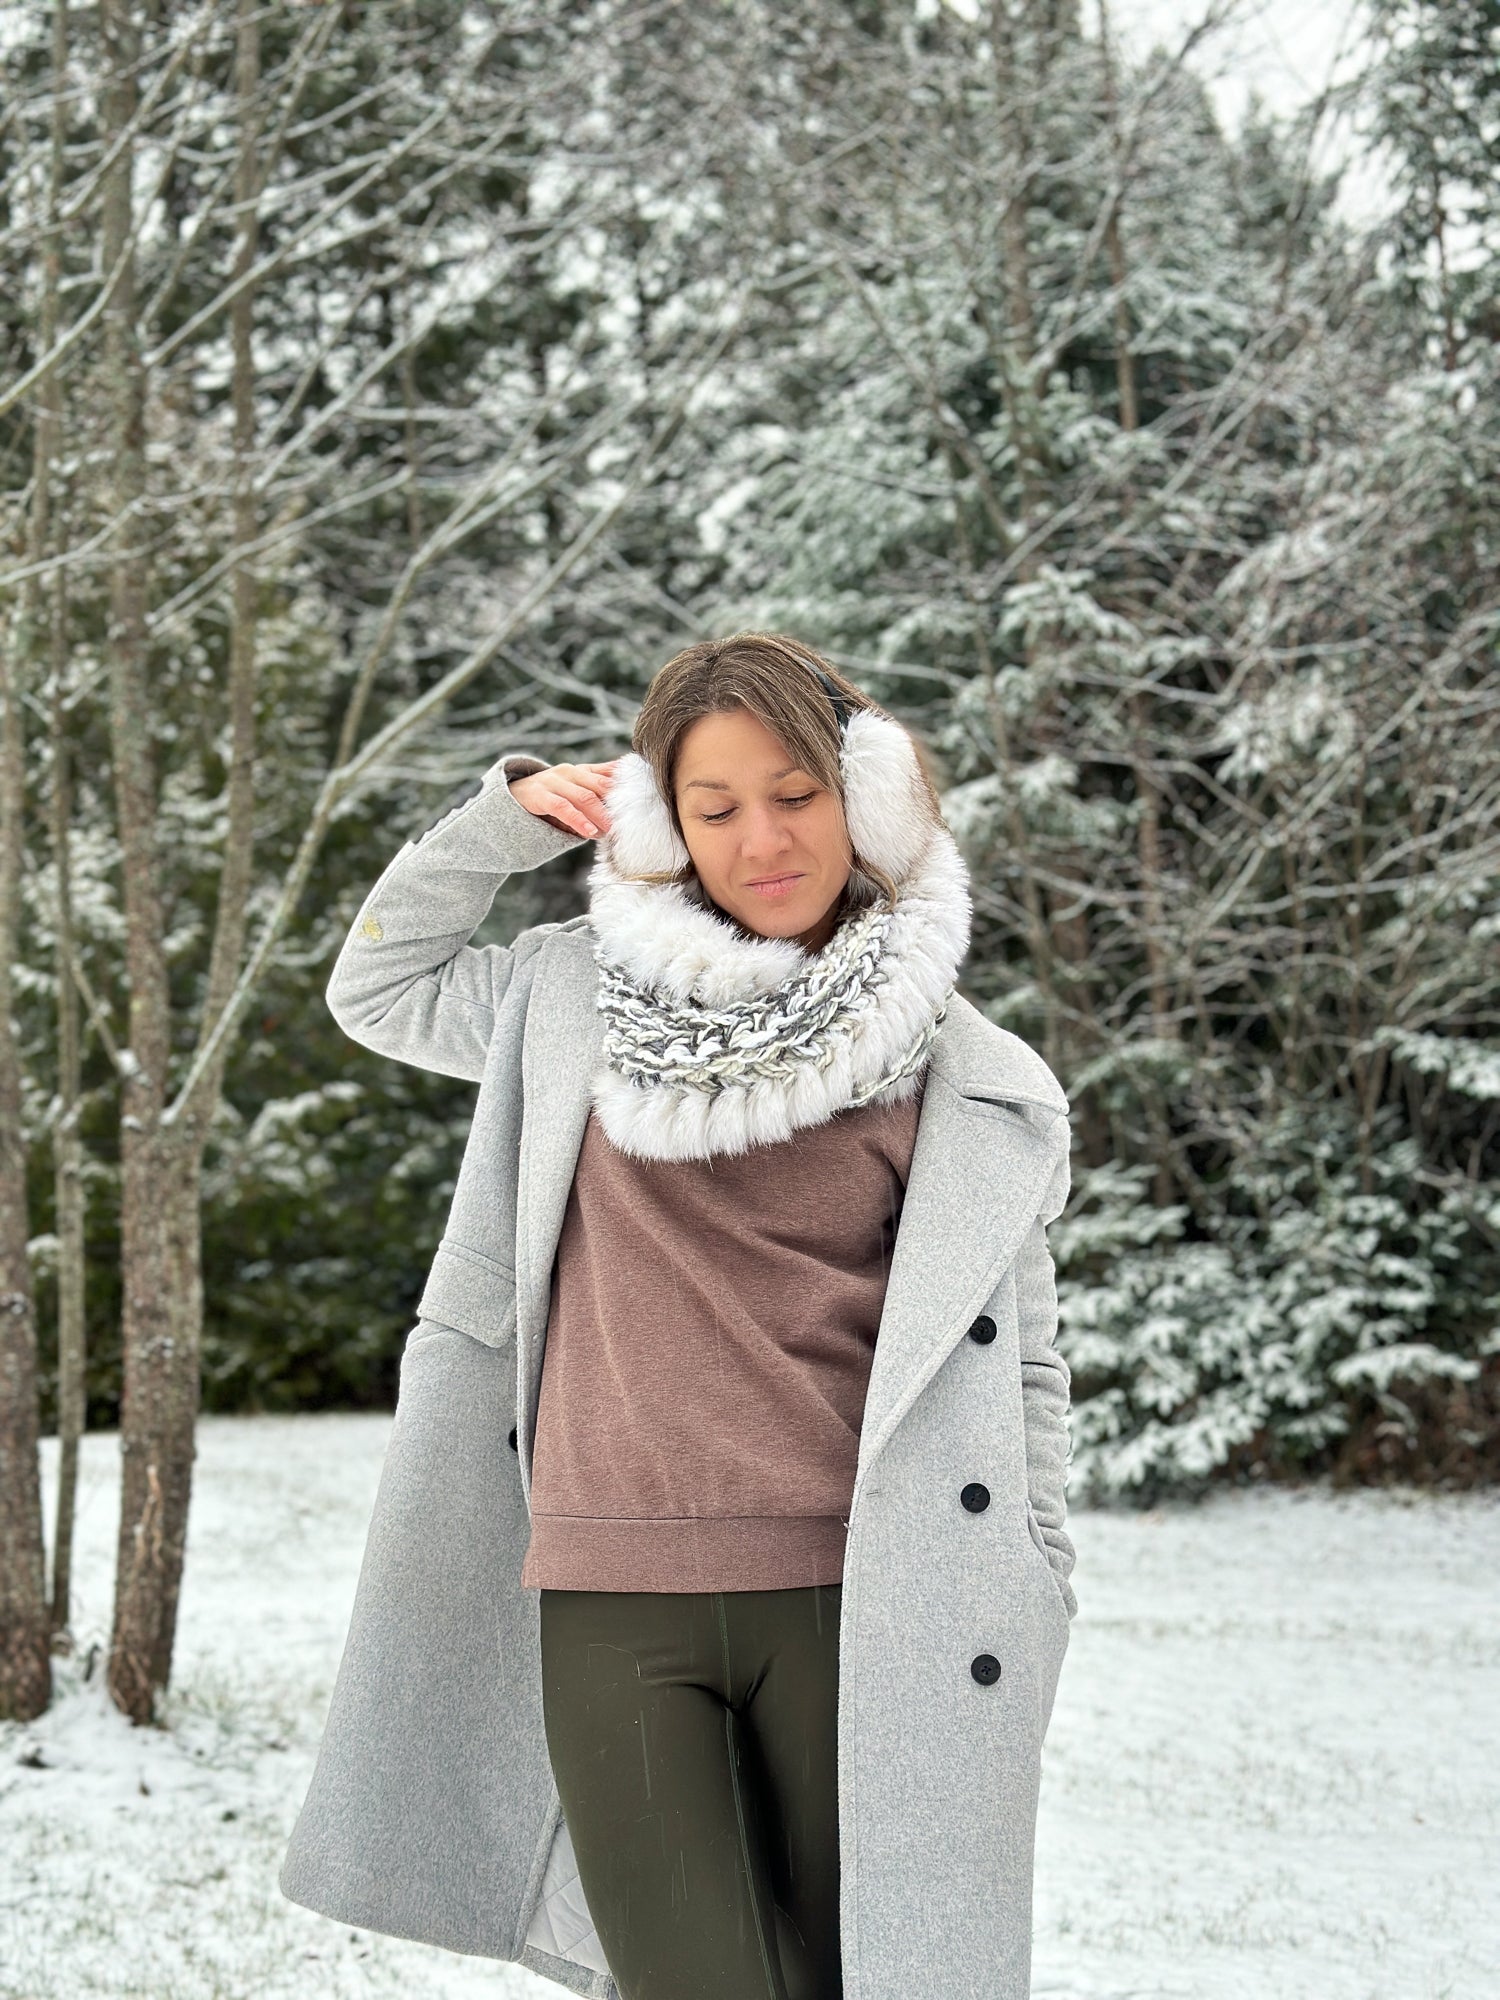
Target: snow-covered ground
{"points": [[1273, 1767]]}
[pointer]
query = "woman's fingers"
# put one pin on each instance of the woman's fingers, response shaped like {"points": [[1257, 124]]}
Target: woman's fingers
{"points": [[570, 796], [598, 777], [575, 818], [580, 802]]}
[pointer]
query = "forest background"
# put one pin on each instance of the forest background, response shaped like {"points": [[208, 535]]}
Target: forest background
{"points": [[393, 383]]}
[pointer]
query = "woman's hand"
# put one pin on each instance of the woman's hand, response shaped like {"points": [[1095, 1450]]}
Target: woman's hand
{"points": [[568, 796]]}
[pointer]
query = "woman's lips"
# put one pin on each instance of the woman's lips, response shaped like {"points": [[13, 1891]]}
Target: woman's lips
{"points": [[778, 886]]}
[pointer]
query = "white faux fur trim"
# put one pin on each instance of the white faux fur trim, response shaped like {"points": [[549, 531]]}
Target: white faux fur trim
{"points": [[667, 937]]}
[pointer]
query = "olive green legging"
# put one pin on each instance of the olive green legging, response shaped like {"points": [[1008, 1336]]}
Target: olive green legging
{"points": [[694, 1738]]}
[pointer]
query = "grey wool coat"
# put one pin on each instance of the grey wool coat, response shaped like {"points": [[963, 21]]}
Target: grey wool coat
{"points": [[432, 1811]]}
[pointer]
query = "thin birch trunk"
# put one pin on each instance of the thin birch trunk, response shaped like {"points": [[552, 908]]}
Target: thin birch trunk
{"points": [[1114, 237], [158, 1218], [25, 1658], [25, 1626], [67, 1149], [67, 1154], [1148, 837], [239, 838], [162, 1247]]}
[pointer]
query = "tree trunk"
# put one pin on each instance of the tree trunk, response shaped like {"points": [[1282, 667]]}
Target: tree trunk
{"points": [[163, 1313], [67, 1150], [1114, 238], [25, 1627], [158, 1257], [25, 1658], [161, 1153], [67, 1156]]}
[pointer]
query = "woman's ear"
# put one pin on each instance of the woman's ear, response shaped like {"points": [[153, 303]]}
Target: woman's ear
{"points": [[641, 839]]}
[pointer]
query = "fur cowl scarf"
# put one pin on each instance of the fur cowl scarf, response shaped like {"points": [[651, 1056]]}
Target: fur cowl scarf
{"points": [[717, 1040]]}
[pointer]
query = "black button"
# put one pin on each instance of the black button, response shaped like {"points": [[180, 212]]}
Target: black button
{"points": [[511, 1440], [985, 1668], [975, 1497], [983, 1330]]}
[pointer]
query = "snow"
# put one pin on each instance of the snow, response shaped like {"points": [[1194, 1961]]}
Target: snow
{"points": [[141, 1864], [1271, 1767]]}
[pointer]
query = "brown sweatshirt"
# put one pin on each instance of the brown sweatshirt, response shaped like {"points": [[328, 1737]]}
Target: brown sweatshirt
{"points": [[709, 1342]]}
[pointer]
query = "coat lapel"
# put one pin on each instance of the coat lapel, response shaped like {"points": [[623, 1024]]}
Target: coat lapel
{"points": [[979, 1175], [563, 1042], [980, 1172]]}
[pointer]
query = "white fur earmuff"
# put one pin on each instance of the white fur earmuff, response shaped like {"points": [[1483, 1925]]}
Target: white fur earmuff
{"points": [[884, 806], [641, 839]]}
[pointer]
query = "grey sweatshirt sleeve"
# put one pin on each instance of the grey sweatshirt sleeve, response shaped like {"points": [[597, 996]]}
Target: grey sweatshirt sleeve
{"points": [[407, 982], [1046, 1383]]}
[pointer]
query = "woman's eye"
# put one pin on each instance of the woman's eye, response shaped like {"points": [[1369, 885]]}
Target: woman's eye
{"points": [[718, 819]]}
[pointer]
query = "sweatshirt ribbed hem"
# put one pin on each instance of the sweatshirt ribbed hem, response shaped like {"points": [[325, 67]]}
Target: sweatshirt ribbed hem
{"points": [[733, 1552]]}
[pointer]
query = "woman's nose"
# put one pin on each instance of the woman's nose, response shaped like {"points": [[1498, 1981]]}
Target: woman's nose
{"points": [[763, 832]]}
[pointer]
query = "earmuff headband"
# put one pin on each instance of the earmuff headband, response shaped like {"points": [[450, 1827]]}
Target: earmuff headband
{"points": [[842, 707]]}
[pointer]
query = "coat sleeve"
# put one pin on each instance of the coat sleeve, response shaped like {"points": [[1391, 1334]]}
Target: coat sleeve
{"points": [[1046, 1381], [407, 982]]}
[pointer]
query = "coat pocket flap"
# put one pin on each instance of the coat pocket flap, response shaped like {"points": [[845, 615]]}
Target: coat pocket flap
{"points": [[472, 1292]]}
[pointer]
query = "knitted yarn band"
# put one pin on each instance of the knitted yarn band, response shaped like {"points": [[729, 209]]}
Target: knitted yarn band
{"points": [[651, 1040]]}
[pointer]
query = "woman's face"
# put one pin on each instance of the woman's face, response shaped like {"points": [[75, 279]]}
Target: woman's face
{"points": [[769, 843]]}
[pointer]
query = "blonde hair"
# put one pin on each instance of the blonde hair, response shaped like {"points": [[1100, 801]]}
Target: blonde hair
{"points": [[775, 678]]}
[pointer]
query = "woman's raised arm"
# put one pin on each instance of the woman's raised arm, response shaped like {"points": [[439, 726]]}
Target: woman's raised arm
{"points": [[407, 982]]}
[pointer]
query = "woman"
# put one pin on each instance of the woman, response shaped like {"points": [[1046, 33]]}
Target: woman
{"points": [[733, 1680]]}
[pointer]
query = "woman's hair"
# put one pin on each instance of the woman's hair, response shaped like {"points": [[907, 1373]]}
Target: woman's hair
{"points": [[776, 679]]}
